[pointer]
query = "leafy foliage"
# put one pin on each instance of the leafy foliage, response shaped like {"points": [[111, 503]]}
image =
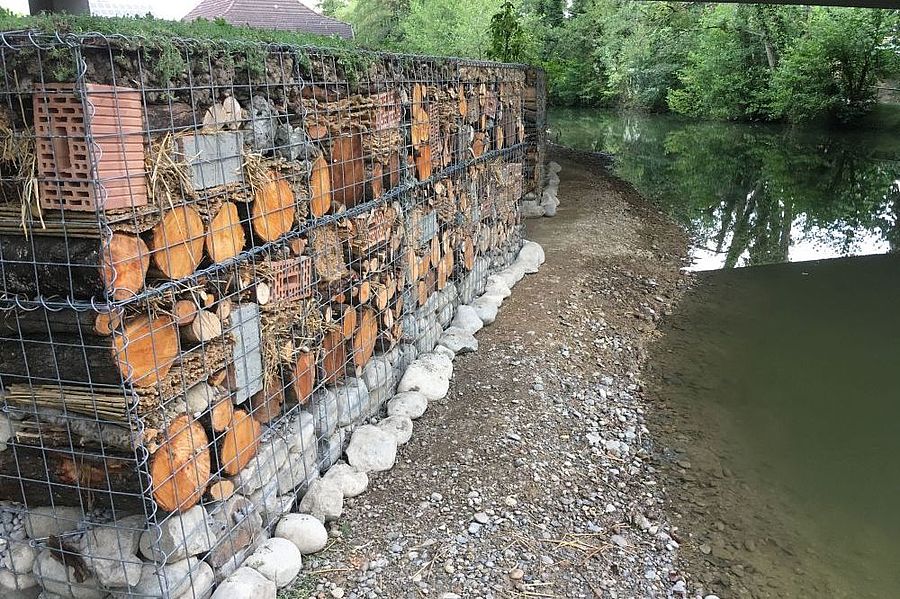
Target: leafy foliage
{"points": [[160, 32], [706, 60], [833, 67], [449, 27], [507, 36], [376, 23]]}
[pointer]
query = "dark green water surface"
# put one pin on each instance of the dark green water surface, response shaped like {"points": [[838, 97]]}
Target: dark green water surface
{"points": [[777, 385], [786, 377]]}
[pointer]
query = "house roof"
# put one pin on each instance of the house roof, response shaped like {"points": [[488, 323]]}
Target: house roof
{"points": [[288, 15]]}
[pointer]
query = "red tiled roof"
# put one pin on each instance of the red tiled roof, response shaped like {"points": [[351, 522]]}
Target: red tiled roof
{"points": [[288, 15]]}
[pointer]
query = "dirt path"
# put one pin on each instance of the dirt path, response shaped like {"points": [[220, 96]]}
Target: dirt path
{"points": [[533, 477]]}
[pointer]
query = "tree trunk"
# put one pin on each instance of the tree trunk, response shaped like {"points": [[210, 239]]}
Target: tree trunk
{"points": [[43, 321], [78, 268], [142, 355], [35, 476]]}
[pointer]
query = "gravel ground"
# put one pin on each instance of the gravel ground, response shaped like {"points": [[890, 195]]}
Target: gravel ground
{"points": [[535, 477]]}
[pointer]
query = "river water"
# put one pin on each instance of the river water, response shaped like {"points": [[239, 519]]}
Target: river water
{"points": [[776, 380]]}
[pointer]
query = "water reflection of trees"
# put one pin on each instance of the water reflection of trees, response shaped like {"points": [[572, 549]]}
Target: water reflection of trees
{"points": [[752, 191]]}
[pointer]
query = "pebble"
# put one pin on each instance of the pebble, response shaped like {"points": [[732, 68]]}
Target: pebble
{"points": [[587, 452], [303, 530]]}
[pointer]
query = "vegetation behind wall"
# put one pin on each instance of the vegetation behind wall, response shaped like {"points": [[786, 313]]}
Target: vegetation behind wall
{"points": [[708, 60]]}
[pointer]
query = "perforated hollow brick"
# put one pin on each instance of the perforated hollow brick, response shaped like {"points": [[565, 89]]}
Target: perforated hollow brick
{"points": [[106, 129], [387, 111], [292, 279]]}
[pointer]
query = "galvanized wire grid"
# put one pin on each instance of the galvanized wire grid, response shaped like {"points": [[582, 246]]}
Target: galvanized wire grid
{"points": [[217, 258]]}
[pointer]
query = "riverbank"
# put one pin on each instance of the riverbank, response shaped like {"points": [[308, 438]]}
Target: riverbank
{"points": [[535, 476]]}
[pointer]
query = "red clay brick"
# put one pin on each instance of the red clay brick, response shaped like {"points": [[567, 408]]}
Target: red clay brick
{"points": [[65, 160]]}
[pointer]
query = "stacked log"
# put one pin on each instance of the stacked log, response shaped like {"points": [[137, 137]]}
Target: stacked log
{"points": [[164, 324]]}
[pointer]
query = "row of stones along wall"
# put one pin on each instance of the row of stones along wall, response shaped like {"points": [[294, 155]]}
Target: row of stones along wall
{"points": [[218, 261]]}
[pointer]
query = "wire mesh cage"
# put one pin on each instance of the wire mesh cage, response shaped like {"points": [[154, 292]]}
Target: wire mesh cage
{"points": [[217, 259]]}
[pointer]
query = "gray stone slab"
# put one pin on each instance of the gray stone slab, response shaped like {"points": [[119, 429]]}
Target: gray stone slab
{"points": [[215, 158], [247, 356]]}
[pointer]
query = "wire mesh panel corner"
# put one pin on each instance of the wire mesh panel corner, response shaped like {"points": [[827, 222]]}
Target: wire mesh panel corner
{"points": [[218, 259]]}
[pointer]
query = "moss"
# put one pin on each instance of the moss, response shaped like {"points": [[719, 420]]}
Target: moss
{"points": [[354, 65], [60, 64], [157, 32], [170, 64], [241, 48]]}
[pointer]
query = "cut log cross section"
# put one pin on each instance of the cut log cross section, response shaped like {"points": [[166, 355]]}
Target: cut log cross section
{"points": [[273, 212], [239, 443], [146, 348], [176, 242], [180, 468], [225, 237], [125, 262], [348, 170], [364, 339], [320, 188], [221, 414], [304, 376], [265, 405], [334, 356]]}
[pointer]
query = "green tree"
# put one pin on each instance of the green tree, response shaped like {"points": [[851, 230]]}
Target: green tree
{"points": [[449, 27], [376, 23], [833, 67], [643, 47], [507, 36], [332, 8], [727, 72], [552, 12]]}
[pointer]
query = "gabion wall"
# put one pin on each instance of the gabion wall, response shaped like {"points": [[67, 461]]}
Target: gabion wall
{"points": [[216, 260]]}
